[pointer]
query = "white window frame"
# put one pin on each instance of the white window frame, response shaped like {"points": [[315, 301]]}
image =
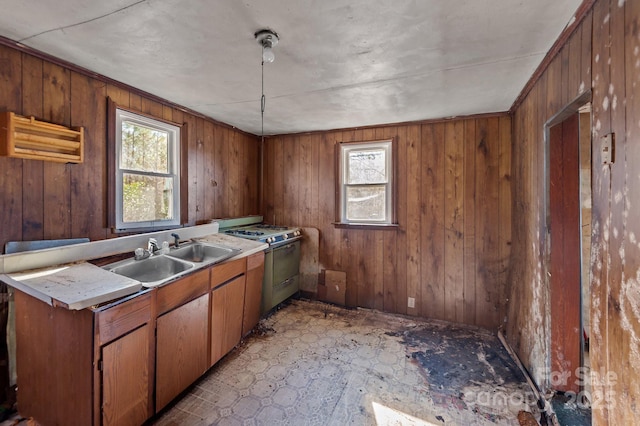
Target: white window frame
{"points": [[345, 149], [173, 132]]}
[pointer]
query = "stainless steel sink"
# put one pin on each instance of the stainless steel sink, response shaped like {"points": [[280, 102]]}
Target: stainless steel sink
{"points": [[152, 271], [203, 252]]}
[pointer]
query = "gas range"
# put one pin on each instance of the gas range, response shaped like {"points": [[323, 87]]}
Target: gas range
{"points": [[281, 258], [251, 227]]}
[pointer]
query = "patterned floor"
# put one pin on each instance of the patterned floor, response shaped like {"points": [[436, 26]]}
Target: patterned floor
{"points": [[315, 364]]}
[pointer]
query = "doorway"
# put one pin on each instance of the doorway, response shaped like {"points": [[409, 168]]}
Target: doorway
{"points": [[569, 221]]}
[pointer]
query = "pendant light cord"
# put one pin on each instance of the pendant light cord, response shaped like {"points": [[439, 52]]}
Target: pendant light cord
{"points": [[262, 105]]}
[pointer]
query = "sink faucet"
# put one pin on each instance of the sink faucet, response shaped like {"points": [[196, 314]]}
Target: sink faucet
{"points": [[176, 240], [152, 246]]}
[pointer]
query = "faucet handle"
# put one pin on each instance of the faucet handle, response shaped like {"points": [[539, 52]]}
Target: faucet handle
{"points": [[153, 245], [176, 239]]}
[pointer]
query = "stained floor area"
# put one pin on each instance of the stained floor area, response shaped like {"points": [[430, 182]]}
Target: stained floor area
{"points": [[315, 364]]}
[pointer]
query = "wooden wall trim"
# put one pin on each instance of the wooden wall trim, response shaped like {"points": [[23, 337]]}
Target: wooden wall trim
{"points": [[111, 163], [581, 13], [107, 80], [374, 127]]}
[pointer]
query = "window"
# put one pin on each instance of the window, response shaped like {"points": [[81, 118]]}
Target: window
{"points": [[366, 183], [147, 168]]}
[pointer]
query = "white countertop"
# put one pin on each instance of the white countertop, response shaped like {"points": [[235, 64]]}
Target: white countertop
{"points": [[73, 286], [80, 285]]}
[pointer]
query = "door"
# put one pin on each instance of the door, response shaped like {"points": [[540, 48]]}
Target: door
{"points": [[182, 352], [125, 379], [227, 302], [565, 258]]}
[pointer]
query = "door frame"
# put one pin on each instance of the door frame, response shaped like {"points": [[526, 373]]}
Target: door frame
{"points": [[567, 111]]}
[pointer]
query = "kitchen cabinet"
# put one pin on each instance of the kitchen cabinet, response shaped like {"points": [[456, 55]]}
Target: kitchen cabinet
{"points": [[121, 362], [90, 366], [227, 305], [125, 384], [253, 292], [182, 337]]}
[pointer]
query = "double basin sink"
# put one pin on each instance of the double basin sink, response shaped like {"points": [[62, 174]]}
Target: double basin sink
{"points": [[162, 268]]}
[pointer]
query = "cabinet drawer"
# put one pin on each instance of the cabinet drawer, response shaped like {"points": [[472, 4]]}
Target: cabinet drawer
{"points": [[122, 318], [255, 260], [225, 271], [181, 291]]}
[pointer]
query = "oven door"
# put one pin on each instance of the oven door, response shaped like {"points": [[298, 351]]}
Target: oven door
{"points": [[286, 261], [282, 264]]}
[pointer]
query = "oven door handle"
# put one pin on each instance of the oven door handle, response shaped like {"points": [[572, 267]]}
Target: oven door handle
{"points": [[287, 249]]}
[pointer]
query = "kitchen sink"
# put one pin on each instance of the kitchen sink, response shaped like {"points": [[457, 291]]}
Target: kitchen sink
{"points": [[151, 271], [203, 252]]}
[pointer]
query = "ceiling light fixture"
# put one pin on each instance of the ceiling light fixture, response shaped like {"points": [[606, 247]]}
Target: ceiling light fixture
{"points": [[267, 39]]}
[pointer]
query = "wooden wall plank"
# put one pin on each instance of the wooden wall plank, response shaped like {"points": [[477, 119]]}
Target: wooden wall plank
{"points": [[504, 214], [291, 176], [601, 180], [396, 287], [585, 54], [119, 95], [622, 343], [305, 187], [628, 373], [152, 107], [432, 221], [573, 67], [414, 197], [32, 170], [234, 196], [135, 102], [57, 194], [10, 168], [89, 178], [469, 211], [199, 186], [209, 183], [252, 170], [454, 221], [221, 157], [564, 75]]}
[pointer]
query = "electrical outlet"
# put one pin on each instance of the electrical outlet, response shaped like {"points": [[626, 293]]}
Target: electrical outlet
{"points": [[411, 302]]}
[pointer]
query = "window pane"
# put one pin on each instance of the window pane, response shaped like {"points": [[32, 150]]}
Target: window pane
{"points": [[147, 198], [366, 166], [366, 203], [144, 149]]}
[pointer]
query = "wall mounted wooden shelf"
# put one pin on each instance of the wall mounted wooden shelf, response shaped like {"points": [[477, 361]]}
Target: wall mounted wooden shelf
{"points": [[24, 137]]}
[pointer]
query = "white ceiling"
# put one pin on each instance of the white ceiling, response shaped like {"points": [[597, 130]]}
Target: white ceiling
{"points": [[339, 63]]}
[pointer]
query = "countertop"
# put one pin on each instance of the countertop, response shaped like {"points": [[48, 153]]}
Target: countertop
{"points": [[80, 285]]}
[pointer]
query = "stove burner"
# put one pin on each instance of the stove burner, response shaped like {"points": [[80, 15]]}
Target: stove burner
{"points": [[272, 227], [244, 232]]}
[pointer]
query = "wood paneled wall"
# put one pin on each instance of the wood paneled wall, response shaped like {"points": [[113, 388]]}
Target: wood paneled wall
{"points": [[45, 200], [601, 55], [451, 248]]}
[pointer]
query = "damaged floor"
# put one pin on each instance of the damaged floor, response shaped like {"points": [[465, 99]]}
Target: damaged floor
{"points": [[316, 364]]}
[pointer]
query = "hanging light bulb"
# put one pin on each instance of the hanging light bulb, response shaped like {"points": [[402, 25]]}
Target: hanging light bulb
{"points": [[267, 54], [267, 39]]}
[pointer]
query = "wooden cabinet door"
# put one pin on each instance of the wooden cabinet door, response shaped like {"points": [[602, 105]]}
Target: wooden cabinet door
{"points": [[182, 345], [227, 302], [125, 379], [253, 292]]}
